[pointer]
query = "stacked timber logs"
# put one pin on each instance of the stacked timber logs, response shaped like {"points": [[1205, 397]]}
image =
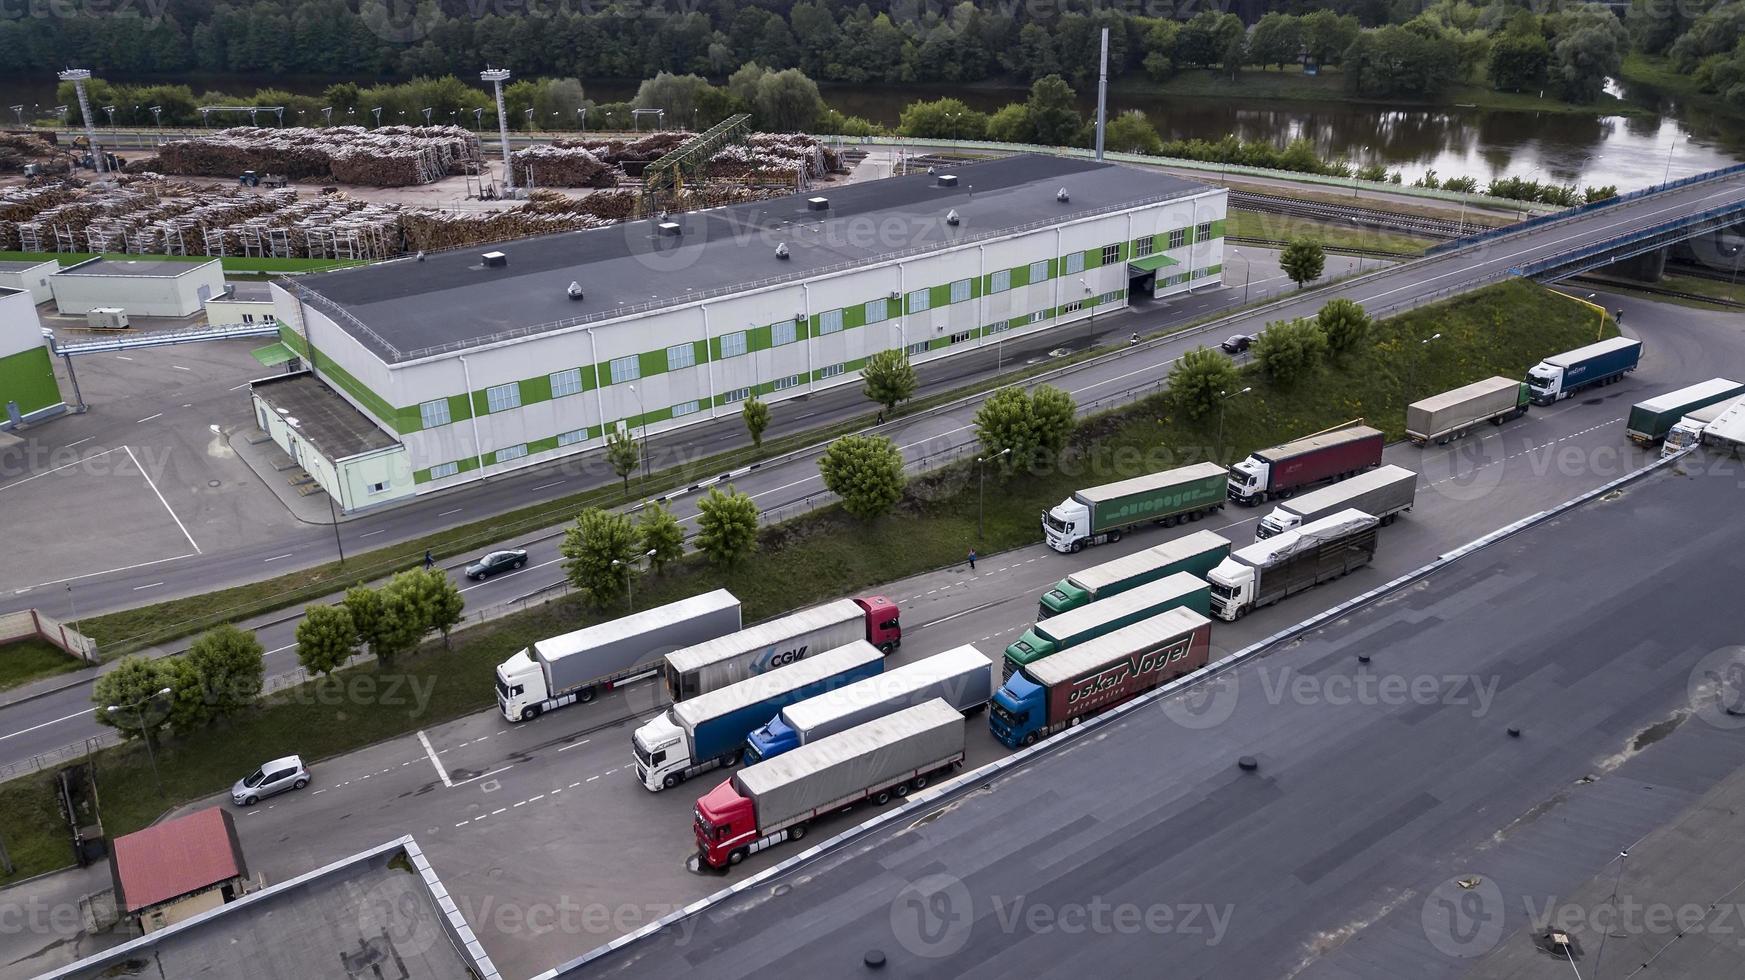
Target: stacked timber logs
{"points": [[392, 156], [564, 166]]}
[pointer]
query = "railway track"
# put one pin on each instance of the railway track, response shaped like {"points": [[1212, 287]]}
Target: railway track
{"points": [[1369, 217]]}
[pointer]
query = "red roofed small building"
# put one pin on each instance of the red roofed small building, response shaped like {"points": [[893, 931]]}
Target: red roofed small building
{"points": [[178, 868]]}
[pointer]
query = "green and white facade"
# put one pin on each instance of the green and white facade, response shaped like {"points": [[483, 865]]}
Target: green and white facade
{"points": [[493, 403], [28, 389]]}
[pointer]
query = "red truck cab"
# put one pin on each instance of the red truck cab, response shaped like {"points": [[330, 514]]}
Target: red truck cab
{"points": [[724, 822], [884, 628]]}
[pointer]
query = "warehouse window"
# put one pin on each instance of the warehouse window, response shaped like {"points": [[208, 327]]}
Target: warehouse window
{"points": [[685, 408], [877, 310], [913, 349], [376, 488], [508, 453], [920, 299], [733, 344], [1075, 262], [994, 328], [1038, 316], [566, 383], [682, 356], [248, 318], [782, 332], [1178, 238], [1143, 246], [1111, 254], [441, 470], [736, 395], [434, 413], [960, 291], [830, 322], [958, 338], [572, 437], [502, 398], [1000, 281], [832, 371], [1203, 231], [626, 369], [791, 381], [1039, 271], [1072, 307]]}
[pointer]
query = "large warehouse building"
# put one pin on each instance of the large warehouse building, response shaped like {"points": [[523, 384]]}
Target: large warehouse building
{"points": [[478, 361]]}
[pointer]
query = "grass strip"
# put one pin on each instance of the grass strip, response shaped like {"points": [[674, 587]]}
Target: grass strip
{"points": [[1284, 227], [33, 659]]}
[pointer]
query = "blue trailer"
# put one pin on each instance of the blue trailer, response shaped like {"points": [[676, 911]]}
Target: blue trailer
{"points": [[1562, 375], [710, 729]]}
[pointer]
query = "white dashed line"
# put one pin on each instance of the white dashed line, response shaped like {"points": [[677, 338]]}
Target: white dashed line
{"points": [[148, 418], [178, 367], [592, 778], [370, 533], [502, 809], [141, 588], [448, 512], [277, 557], [575, 784], [463, 823], [521, 803], [536, 799], [566, 748]]}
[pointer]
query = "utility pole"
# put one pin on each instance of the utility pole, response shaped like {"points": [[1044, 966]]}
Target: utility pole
{"points": [[1102, 92]]}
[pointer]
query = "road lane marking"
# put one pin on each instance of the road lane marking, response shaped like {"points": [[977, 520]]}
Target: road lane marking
{"points": [[141, 588], [121, 358], [368, 533], [26, 731], [277, 557], [591, 778], [80, 442], [448, 512], [482, 775], [536, 799], [502, 809], [572, 745], [520, 803], [178, 367], [424, 740], [148, 418], [161, 500], [546, 486]]}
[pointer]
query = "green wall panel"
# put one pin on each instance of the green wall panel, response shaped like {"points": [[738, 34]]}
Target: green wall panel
{"points": [[28, 378]]}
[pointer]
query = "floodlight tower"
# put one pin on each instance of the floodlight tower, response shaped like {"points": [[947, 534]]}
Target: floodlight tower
{"points": [[79, 76], [497, 76]]}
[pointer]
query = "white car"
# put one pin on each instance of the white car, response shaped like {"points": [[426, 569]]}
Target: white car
{"points": [[277, 776]]}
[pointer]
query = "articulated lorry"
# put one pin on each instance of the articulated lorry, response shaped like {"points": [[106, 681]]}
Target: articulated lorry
{"points": [[1689, 430], [1727, 432], [709, 730], [1267, 571], [1383, 493], [1058, 633], [1562, 375], [579, 666], [1064, 689], [1099, 514], [714, 664], [1307, 463], [962, 677], [1651, 420], [1443, 418], [1196, 554], [760, 806]]}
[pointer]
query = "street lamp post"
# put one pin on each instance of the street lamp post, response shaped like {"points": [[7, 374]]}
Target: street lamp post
{"points": [[981, 484], [630, 589], [1224, 396], [642, 444], [1412, 368], [378, 114], [144, 733]]}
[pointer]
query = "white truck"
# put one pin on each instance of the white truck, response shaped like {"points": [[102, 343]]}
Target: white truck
{"points": [[1688, 431], [725, 660], [1098, 514], [1267, 571], [578, 666], [962, 677], [710, 729], [1383, 493]]}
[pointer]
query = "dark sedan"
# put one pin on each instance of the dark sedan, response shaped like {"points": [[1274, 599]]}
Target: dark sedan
{"points": [[1236, 343], [495, 562]]}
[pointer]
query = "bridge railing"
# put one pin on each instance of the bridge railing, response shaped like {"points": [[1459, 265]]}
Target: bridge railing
{"points": [[1653, 231], [1640, 192]]}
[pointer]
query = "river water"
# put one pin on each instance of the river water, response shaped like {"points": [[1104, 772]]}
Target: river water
{"points": [[1628, 151]]}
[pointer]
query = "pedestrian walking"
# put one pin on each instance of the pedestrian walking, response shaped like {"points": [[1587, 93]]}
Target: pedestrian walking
{"points": [[881, 417], [1135, 339], [972, 559], [429, 562]]}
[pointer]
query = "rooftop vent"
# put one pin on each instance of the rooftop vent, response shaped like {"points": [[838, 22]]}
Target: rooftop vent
{"points": [[575, 290], [951, 217], [1062, 196], [495, 260], [947, 180], [817, 204], [781, 250], [671, 228]]}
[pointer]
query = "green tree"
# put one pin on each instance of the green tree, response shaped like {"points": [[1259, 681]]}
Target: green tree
{"points": [[1276, 39], [1519, 61], [1327, 35], [1588, 49], [1131, 132], [1159, 44], [942, 119], [866, 472], [1290, 350], [787, 101], [624, 453], [1345, 324], [1198, 380], [1053, 111], [679, 95], [889, 378], [1011, 124], [132, 689], [364, 605], [1303, 260], [590, 546], [755, 412], [326, 638], [1235, 54], [439, 598], [1033, 425], [661, 533], [219, 675], [1394, 61], [726, 526], [1055, 414]]}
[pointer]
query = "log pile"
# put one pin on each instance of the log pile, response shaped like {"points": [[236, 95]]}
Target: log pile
{"points": [[763, 158], [564, 166], [18, 150], [429, 230], [392, 156]]}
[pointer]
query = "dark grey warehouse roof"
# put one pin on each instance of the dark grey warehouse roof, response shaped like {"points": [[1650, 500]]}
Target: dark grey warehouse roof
{"points": [[326, 421], [410, 308], [16, 265]]}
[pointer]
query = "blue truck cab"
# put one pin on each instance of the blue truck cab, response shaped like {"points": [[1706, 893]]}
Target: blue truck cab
{"points": [[1019, 710], [1562, 375], [772, 739]]}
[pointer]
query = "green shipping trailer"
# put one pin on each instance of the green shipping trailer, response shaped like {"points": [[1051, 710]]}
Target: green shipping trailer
{"points": [[1098, 514], [1196, 554], [1178, 591], [1651, 420]]}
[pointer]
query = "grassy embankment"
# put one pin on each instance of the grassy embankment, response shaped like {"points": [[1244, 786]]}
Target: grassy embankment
{"points": [[1330, 86], [1501, 330], [29, 660], [1281, 227]]}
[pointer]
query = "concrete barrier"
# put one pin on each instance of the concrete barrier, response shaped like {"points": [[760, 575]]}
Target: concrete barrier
{"points": [[35, 624]]}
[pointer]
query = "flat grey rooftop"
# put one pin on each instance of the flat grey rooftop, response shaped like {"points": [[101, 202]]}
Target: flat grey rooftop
{"points": [[13, 265], [452, 300], [373, 916], [1393, 829], [259, 291], [328, 422], [142, 268]]}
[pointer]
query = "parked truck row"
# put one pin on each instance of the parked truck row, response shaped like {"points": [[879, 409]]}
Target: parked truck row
{"points": [[1098, 514], [1304, 464], [724, 660], [1280, 566], [1057, 633], [1653, 419], [1383, 493], [1194, 553]]}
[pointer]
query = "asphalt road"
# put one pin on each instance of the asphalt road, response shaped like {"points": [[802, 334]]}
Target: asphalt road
{"points": [[545, 839], [1384, 790], [1387, 290]]}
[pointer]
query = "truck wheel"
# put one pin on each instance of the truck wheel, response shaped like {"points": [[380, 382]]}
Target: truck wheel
{"points": [[921, 781], [1114, 536], [672, 780], [585, 695], [1030, 739], [1078, 546], [883, 796], [902, 789], [530, 712], [736, 857], [797, 831]]}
